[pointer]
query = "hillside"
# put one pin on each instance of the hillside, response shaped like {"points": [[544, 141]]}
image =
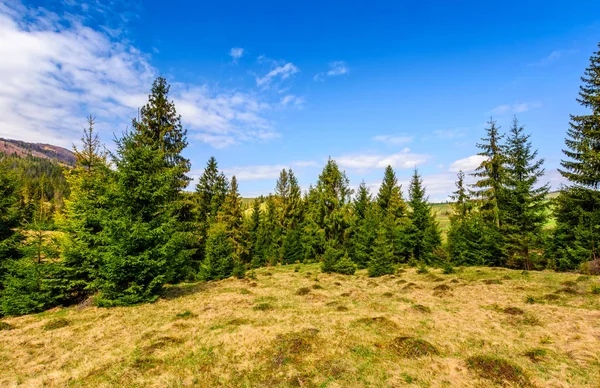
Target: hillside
{"points": [[293, 326], [40, 150]]}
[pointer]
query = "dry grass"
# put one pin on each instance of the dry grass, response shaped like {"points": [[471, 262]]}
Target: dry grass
{"points": [[259, 333]]}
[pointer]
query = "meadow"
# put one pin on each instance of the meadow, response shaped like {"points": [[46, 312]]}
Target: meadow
{"points": [[292, 326]]}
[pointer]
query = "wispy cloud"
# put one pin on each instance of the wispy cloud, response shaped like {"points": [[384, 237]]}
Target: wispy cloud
{"points": [[335, 68], [292, 100], [393, 139], [467, 164], [236, 53], [448, 133], [518, 107], [283, 71], [338, 68], [403, 159], [55, 70], [263, 172], [552, 57]]}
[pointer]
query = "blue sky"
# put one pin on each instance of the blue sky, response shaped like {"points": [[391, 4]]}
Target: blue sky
{"points": [[265, 85]]}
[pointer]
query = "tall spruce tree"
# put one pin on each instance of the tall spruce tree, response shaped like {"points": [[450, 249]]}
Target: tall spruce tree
{"points": [[365, 223], [383, 255], [10, 215], [525, 205], [86, 212], [146, 245], [210, 193], [488, 188], [425, 233], [394, 214], [577, 210]]}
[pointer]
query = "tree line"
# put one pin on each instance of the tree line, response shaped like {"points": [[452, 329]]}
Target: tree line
{"points": [[122, 225]]}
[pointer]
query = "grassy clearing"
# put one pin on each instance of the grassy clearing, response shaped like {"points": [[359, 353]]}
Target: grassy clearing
{"points": [[429, 330]]}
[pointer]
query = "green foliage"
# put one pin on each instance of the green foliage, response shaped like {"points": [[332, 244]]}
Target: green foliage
{"points": [[146, 243], [293, 250], [382, 260], [86, 211], [490, 174], [344, 266], [330, 259], [30, 282], [524, 205], [219, 260], [365, 222], [424, 231]]}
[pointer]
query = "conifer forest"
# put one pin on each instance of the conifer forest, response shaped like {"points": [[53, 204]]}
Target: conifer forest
{"points": [[125, 231]]}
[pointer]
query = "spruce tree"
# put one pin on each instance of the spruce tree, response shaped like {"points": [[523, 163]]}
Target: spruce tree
{"points": [[232, 217], [365, 223], [210, 193], [525, 204], [146, 245], [425, 234], [10, 215], [382, 261], [219, 262], [389, 198], [490, 173], [86, 212], [577, 210]]}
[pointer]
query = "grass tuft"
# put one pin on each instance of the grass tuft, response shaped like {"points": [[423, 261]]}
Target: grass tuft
{"points": [[492, 281], [387, 294], [185, 315], [303, 291], [420, 308], [498, 370], [263, 307], [382, 323], [6, 326], [513, 311], [409, 347], [317, 287], [290, 347], [56, 324], [536, 354]]}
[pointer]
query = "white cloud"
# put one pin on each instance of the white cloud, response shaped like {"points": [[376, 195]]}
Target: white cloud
{"points": [[402, 160], [55, 71], [393, 139], [236, 53], [283, 71], [335, 68], [338, 68], [515, 108], [292, 100], [467, 164], [262, 172]]}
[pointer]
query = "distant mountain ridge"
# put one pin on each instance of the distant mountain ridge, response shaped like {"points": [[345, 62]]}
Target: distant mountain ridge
{"points": [[40, 150]]}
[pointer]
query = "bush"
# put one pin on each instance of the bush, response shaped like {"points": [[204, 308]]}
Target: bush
{"points": [[590, 267], [344, 266], [330, 259], [422, 269]]}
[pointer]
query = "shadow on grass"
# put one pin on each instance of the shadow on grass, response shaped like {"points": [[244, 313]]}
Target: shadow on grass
{"points": [[184, 289]]}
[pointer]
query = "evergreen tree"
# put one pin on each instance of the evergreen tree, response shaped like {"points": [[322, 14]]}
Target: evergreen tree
{"points": [[10, 215], [490, 173], [219, 262], [265, 248], [292, 251], [383, 255], [86, 212], [461, 202], [146, 245], [583, 137], [332, 199], [232, 217], [525, 207], [425, 234], [577, 210], [30, 281], [365, 222], [389, 198]]}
